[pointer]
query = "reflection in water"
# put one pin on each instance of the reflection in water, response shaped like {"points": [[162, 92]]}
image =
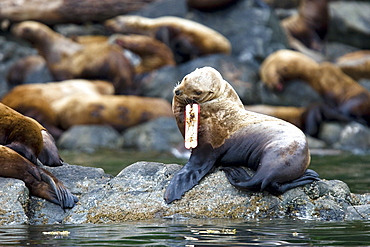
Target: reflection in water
{"points": [[263, 232]]}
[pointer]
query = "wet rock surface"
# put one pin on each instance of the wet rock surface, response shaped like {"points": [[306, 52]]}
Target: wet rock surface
{"points": [[136, 193]]}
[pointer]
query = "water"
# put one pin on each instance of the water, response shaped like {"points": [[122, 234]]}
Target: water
{"points": [[352, 169], [264, 232]]}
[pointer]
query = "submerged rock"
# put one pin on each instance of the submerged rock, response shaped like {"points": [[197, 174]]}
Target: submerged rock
{"points": [[136, 193]]}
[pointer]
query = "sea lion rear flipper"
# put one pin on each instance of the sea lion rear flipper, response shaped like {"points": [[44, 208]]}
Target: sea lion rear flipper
{"points": [[307, 177], [197, 167]]}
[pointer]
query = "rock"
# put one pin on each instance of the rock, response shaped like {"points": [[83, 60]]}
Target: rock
{"points": [[90, 137], [136, 193], [159, 135], [354, 137], [349, 23], [13, 202]]}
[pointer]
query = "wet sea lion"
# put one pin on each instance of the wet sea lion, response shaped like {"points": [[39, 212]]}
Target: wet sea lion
{"points": [[230, 136], [338, 90], [67, 59], [187, 39], [39, 181], [27, 137]]}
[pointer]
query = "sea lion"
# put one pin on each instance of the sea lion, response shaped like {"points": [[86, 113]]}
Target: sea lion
{"points": [[338, 90], [230, 136], [187, 39], [35, 100], [67, 59], [355, 64], [39, 181], [284, 65], [153, 53], [310, 25], [27, 137], [308, 28], [119, 111]]}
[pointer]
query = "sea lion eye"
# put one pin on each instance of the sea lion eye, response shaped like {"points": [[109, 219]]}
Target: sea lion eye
{"points": [[198, 92]]}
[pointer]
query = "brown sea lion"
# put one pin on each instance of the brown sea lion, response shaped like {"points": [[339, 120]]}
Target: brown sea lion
{"points": [[355, 64], [67, 59], [309, 27], [27, 137], [39, 181], [338, 90], [35, 100], [230, 136], [119, 111], [68, 11], [187, 39], [153, 53]]}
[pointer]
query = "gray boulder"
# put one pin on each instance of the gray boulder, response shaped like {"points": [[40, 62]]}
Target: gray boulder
{"points": [[161, 135], [349, 23], [136, 193], [88, 138]]}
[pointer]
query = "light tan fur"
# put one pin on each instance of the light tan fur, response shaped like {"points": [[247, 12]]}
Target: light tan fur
{"points": [[355, 64], [119, 111], [206, 39], [284, 65]]}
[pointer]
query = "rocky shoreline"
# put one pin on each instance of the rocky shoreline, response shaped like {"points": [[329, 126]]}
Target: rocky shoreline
{"points": [[136, 193]]}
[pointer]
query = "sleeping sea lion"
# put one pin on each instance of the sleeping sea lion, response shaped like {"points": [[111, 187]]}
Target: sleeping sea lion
{"points": [[67, 59], [118, 111], [187, 39], [27, 137], [338, 90], [230, 136], [39, 181], [35, 100]]}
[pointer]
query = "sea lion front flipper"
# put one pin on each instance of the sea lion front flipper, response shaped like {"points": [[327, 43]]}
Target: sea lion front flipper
{"points": [[200, 163], [307, 177], [59, 194]]}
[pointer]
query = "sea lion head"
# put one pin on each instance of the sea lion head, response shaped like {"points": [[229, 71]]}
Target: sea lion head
{"points": [[29, 30], [201, 85]]}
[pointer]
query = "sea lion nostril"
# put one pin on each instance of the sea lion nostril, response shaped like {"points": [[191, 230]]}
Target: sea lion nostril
{"points": [[177, 92]]}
